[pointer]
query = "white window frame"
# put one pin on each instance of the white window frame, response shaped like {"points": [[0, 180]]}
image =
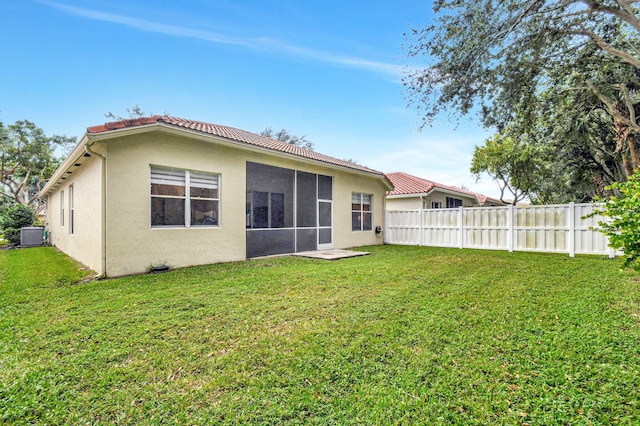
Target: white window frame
{"points": [[61, 208], [362, 211], [436, 204], [190, 176], [72, 218]]}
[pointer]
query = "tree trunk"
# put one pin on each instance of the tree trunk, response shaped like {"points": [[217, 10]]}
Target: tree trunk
{"points": [[633, 152], [626, 163]]}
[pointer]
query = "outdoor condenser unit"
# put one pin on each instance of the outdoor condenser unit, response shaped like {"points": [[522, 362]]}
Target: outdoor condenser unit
{"points": [[31, 236]]}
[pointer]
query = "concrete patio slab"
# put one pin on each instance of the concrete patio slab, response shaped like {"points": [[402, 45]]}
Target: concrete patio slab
{"points": [[332, 254]]}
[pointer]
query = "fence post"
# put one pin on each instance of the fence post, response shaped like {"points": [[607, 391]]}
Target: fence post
{"points": [[420, 225], [461, 222], [510, 228], [572, 229]]}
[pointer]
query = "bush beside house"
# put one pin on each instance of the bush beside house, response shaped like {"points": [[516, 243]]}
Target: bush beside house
{"points": [[14, 218]]}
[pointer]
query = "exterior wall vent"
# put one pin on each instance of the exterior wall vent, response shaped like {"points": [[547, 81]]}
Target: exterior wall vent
{"points": [[159, 269]]}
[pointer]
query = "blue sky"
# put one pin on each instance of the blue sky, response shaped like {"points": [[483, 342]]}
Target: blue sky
{"points": [[329, 70]]}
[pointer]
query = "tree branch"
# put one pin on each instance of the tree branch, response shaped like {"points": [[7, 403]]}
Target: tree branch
{"points": [[613, 110], [625, 13], [517, 21], [628, 103], [7, 194], [599, 41]]}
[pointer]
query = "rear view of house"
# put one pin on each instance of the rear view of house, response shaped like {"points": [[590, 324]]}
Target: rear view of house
{"points": [[169, 191]]}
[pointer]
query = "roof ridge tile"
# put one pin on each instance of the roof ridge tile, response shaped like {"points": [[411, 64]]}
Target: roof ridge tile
{"points": [[231, 133], [405, 184]]}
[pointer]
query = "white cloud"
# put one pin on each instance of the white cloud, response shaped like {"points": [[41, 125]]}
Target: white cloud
{"points": [[257, 43]]}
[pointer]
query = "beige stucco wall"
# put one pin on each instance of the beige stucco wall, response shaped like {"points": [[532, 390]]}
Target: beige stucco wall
{"points": [[133, 246], [414, 203], [85, 243], [344, 185]]}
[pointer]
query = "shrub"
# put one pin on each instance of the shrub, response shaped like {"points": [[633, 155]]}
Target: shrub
{"points": [[623, 229], [14, 218], [12, 235]]}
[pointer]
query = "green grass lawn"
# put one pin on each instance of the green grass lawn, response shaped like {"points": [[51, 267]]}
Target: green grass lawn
{"points": [[407, 335]]}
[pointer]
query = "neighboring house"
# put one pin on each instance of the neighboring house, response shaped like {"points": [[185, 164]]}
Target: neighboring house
{"points": [[411, 193], [155, 191]]}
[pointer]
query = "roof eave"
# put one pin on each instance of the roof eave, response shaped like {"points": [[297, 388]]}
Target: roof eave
{"points": [[458, 193], [79, 150], [409, 195], [76, 153]]}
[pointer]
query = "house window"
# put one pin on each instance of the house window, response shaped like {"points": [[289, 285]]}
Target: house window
{"points": [[453, 202], [61, 208], [184, 198], [436, 204], [361, 211], [72, 220]]}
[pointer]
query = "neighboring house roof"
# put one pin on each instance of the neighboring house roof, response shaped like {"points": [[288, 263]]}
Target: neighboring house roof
{"points": [[405, 184], [232, 134], [236, 136]]}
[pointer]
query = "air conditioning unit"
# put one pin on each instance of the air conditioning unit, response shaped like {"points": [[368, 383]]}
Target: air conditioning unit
{"points": [[31, 236]]}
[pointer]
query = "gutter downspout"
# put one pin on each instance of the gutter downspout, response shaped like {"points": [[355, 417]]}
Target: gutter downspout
{"points": [[103, 209]]}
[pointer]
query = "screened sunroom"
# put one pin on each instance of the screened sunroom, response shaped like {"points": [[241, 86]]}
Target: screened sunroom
{"points": [[287, 211]]}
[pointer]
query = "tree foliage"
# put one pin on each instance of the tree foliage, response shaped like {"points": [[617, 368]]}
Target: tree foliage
{"points": [[14, 218], [28, 158], [623, 228], [492, 53], [132, 112], [540, 69], [284, 136], [513, 167], [581, 147], [579, 151]]}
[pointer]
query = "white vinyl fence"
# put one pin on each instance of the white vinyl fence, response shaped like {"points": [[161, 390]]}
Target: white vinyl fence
{"points": [[552, 228]]}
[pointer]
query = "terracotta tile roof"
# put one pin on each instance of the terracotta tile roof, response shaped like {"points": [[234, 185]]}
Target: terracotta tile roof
{"points": [[406, 184], [230, 133]]}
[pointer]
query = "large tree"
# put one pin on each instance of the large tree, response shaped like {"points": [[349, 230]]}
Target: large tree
{"points": [[512, 165], [500, 57], [28, 157], [578, 144], [586, 147]]}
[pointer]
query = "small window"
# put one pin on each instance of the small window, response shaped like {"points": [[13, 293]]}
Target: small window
{"points": [[204, 199], [453, 203], [436, 204], [72, 220], [61, 208], [168, 197], [361, 212], [184, 198]]}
